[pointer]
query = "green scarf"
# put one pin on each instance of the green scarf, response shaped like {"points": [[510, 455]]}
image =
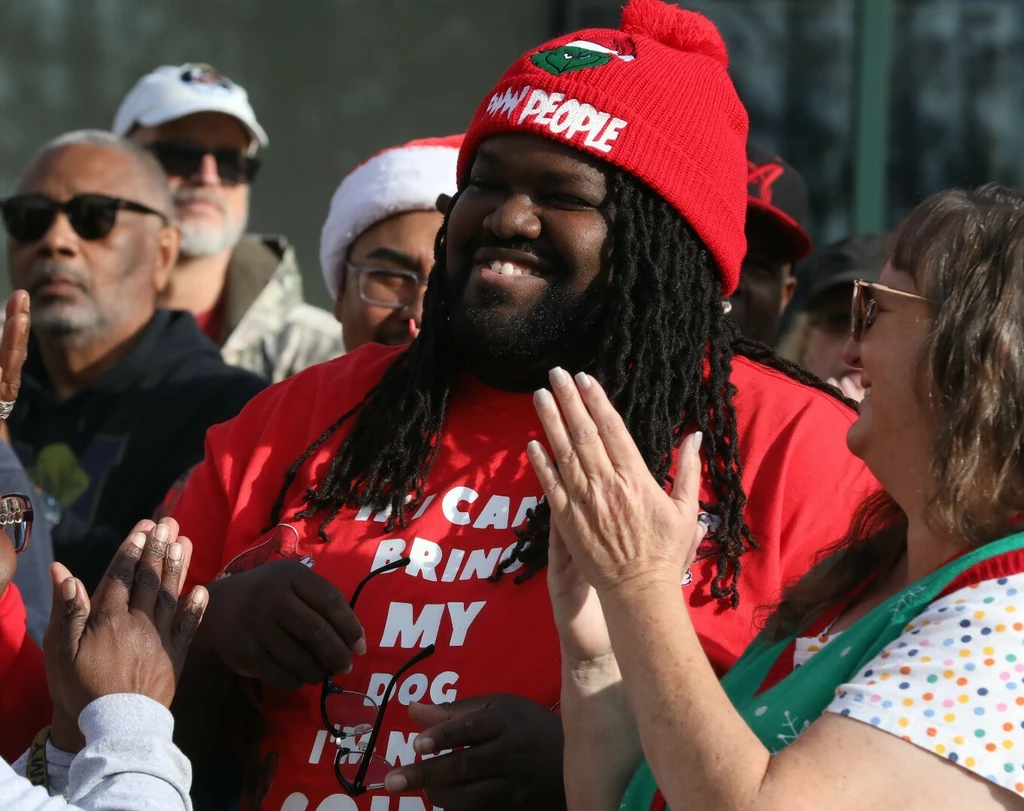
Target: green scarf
{"points": [[780, 713]]}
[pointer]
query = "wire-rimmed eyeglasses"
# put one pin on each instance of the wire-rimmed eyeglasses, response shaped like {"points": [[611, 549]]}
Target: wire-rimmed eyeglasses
{"points": [[349, 715], [387, 287]]}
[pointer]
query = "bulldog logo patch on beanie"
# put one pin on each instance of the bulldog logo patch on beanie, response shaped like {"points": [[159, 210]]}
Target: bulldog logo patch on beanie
{"points": [[582, 53]]}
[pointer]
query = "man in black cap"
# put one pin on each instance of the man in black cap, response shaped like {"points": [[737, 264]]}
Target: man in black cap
{"points": [[776, 241], [820, 331]]}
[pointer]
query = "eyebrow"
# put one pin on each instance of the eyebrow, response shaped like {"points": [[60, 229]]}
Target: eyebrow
{"points": [[551, 178], [395, 257], [488, 154]]}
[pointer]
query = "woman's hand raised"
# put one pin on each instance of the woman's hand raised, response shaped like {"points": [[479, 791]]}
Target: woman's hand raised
{"points": [[619, 528]]}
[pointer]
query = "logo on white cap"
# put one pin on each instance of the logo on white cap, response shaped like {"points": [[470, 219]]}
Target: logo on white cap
{"points": [[204, 76], [175, 91]]}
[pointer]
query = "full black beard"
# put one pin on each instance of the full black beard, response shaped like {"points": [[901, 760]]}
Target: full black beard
{"points": [[560, 325]]}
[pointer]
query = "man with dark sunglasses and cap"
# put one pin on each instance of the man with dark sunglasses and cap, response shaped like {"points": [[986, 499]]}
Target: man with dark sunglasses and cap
{"points": [[776, 241], [820, 331], [116, 395], [244, 289]]}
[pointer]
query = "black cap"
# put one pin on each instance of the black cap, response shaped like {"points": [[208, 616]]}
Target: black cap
{"points": [[861, 256], [777, 192]]}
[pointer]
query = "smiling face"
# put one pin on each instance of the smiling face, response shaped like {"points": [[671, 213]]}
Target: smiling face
{"points": [[894, 432], [402, 244], [827, 333], [528, 253]]}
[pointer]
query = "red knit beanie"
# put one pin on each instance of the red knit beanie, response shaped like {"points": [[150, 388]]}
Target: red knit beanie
{"points": [[655, 99]]}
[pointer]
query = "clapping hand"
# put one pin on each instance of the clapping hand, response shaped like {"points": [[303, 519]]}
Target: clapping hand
{"points": [[613, 526], [132, 636]]}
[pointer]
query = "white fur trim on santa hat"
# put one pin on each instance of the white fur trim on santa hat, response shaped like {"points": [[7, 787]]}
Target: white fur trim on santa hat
{"points": [[405, 178]]}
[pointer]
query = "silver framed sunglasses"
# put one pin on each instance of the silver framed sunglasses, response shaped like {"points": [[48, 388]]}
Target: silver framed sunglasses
{"points": [[16, 519]]}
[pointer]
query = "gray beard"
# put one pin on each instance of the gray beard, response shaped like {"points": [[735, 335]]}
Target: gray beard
{"points": [[60, 322], [67, 329], [198, 241]]}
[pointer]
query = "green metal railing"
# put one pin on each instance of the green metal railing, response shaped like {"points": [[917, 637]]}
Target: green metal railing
{"points": [[874, 51]]}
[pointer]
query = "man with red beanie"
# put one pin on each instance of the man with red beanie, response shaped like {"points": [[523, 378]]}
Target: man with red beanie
{"points": [[375, 518]]}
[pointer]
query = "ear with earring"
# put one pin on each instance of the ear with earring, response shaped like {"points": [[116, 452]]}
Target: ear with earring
{"points": [[726, 306]]}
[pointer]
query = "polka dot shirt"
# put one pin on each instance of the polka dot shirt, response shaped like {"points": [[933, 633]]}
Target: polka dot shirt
{"points": [[953, 682]]}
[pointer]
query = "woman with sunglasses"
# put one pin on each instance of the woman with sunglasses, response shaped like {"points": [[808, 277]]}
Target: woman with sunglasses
{"points": [[891, 676]]}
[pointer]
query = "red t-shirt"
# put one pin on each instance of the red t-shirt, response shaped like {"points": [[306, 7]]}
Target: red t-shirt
{"points": [[25, 706], [212, 321], [499, 637]]}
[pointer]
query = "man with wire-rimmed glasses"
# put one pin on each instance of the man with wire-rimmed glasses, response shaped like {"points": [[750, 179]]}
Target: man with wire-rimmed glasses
{"points": [[377, 245]]}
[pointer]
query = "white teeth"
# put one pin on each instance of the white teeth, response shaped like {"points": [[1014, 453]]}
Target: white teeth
{"points": [[508, 269]]}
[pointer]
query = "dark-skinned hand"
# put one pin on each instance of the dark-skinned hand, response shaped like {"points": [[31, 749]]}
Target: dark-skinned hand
{"points": [[132, 636], [13, 351], [282, 624], [513, 759]]}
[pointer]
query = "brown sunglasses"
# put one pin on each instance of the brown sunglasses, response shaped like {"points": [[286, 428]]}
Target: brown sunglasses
{"points": [[864, 309]]}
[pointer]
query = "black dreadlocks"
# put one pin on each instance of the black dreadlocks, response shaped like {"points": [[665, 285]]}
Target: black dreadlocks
{"points": [[663, 322]]}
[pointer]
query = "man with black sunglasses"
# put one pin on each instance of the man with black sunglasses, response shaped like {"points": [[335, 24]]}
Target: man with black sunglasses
{"points": [[116, 395], [822, 326], [245, 290]]}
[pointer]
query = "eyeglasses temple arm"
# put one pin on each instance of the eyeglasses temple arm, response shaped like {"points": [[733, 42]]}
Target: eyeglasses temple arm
{"points": [[398, 564], [375, 732]]}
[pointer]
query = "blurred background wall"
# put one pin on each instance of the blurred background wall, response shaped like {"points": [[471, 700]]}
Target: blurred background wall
{"points": [[877, 102]]}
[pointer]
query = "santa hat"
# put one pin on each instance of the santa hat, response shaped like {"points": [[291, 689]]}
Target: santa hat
{"points": [[653, 98], [394, 181]]}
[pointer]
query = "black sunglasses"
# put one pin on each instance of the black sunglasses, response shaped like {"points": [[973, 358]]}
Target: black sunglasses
{"points": [[184, 159], [28, 217], [16, 520], [348, 714]]}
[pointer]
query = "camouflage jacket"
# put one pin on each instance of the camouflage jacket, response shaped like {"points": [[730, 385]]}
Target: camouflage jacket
{"points": [[268, 328]]}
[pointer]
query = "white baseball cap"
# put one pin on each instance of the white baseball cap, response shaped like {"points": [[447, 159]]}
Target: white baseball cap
{"points": [[175, 91]]}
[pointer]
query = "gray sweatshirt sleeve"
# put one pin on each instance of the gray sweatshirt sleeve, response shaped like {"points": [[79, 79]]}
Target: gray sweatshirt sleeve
{"points": [[128, 764]]}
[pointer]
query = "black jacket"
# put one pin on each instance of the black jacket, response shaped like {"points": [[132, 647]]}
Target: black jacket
{"points": [[109, 454]]}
